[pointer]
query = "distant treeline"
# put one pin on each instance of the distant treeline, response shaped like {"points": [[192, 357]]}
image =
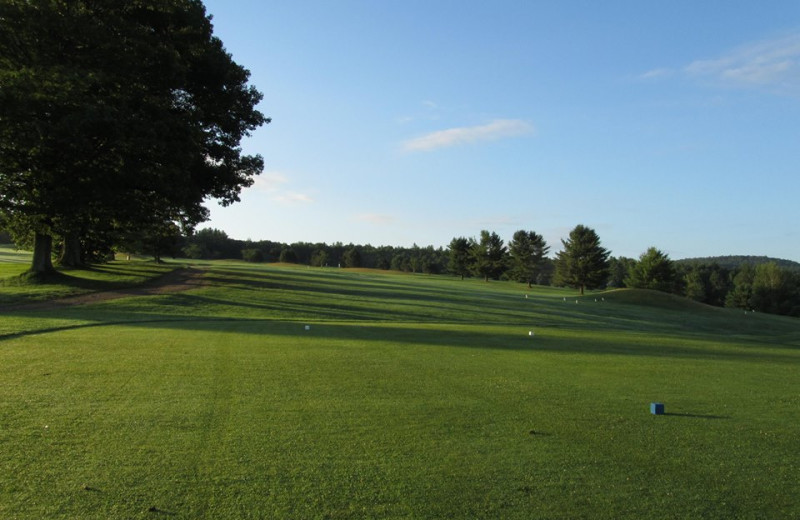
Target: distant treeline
{"points": [[213, 244], [735, 261], [748, 282]]}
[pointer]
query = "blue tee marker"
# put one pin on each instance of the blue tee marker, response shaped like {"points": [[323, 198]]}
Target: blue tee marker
{"points": [[657, 408]]}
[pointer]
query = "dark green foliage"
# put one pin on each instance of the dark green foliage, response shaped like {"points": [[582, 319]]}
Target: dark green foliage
{"points": [[654, 270], [706, 283], [583, 264], [526, 253], [401, 261], [319, 258], [288, 256], [252, 255], [351, 258], [126, 113], [459, 257], [489, 256], [212, 244], [383, 262], [432, 260], [742, 291], [618, 269], [733, 262], [775, 290]]}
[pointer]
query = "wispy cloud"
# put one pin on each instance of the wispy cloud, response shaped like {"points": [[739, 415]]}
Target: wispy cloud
{"points": [[269, 181], [772, 65], [273, 183], [430, 112], [497, 129], [657, 73]]}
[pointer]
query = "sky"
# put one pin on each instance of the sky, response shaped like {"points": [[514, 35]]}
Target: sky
{"points": [[673, 125]]}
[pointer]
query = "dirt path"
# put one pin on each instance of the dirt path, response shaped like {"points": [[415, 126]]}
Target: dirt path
{"points": [[175, 281]]}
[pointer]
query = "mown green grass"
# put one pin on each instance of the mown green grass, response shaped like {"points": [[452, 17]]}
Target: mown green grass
{"points": [[12, 261], [17, 288], [408, 397]]}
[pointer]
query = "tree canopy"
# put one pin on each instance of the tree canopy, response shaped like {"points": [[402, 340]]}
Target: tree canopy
{"points": [[459, 256], [654, 270], [117, 117], [527, 251], [488, 255], [583, 263]]}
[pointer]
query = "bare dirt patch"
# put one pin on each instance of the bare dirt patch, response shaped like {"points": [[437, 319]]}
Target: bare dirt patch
{"points": [[175, 281]]}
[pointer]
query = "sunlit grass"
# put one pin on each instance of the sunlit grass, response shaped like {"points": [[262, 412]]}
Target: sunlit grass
{"points": [[408, 396], [17, 288]]}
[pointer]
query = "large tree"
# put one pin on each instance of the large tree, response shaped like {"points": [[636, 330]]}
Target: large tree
{"points": [[126, 113], [618, 269], [526, 252], [460, 260], [489, 255], [775, 290], [583, 262], [706, 283], [654, 270]]}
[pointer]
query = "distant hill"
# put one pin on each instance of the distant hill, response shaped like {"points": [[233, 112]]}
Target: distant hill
{"points": [[734, 261]]}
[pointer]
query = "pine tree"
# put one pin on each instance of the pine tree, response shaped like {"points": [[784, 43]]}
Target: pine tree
{"points": [[583, 264]]}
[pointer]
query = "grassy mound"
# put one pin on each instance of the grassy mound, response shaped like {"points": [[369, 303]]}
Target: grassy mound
{"points": [[656, 299]]}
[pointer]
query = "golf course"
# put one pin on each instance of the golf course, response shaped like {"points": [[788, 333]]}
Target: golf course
{"points": [[218, 389]]}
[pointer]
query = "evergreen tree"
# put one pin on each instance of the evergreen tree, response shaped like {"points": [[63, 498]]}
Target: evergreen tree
{"points": [[583, 263], [460, 259], [489, 255], [526, 253], [352, 257], [654, 270], [618, 269]]}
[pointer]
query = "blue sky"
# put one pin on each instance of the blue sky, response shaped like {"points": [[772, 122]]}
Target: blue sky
{"points": [[667, 124]]}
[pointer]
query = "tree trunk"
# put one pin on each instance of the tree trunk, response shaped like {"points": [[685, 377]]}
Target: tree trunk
{"points": [[71, 254], [42, 249]]}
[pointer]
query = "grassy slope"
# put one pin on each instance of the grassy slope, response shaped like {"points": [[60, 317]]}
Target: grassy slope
{"points": [[17, 289], [409, 396]]}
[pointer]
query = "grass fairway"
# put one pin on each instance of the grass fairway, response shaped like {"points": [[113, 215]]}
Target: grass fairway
{"points": [[407, 397]]}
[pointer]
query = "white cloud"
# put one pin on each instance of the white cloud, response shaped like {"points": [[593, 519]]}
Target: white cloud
{"points": [[269, 181], [773, 64], [497, 129], [273, 183]]}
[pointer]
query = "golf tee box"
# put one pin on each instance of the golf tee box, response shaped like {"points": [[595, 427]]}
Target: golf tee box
{"points": [[657, 408]]}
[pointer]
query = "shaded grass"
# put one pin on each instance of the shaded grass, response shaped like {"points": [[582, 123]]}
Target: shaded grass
{"points": [[409, 397], [25, 288]]}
